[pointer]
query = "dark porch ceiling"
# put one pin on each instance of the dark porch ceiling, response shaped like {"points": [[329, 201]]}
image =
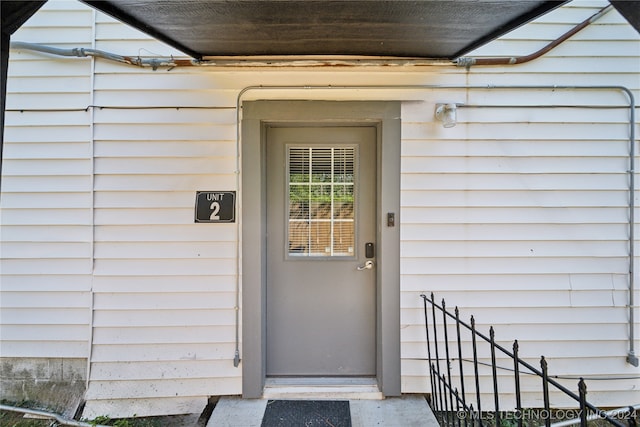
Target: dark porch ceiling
{"points": [[443, 29]]}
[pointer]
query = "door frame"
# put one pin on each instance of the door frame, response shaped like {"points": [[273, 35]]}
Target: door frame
{"points": [[256, 116]]}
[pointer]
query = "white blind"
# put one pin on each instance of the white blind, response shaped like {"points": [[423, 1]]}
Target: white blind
{"points": [[321, 220]]}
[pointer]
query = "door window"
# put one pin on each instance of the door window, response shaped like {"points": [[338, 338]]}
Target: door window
{"points": [[321, 201]]}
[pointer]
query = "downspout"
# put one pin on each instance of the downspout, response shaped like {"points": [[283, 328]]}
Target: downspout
{"points": [[631, 355], [468, 62]]}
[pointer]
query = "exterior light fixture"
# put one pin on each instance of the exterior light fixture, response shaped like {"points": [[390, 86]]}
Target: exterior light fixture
{"points": [[446, 113]]}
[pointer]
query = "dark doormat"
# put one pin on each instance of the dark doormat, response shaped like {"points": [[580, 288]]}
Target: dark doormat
{"points": [[307, 413]]}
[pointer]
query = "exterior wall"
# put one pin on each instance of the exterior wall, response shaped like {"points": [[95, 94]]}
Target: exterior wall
{"points": [[517, 215], [46, 215], [164, 287]]}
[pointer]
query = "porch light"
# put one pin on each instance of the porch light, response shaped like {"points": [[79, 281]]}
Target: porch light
{"points": [[446, 113]]}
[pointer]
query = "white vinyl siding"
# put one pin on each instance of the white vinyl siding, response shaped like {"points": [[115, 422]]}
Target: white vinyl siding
{"points": [[516, 215], [519, 216], [164, 286], [46, 216]]}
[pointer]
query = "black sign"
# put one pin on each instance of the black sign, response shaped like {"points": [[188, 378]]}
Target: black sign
{"points": [[215, 206]]}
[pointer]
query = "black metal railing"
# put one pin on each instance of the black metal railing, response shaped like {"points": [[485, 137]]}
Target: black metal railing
{"points": [[449, 401]]}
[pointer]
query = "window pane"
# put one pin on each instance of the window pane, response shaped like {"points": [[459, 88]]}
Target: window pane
{"points": [[320, 202], [343, 201], [298, 165], [321, 186], [343, 238], [321, 164], [320, 240], [298, 201]]}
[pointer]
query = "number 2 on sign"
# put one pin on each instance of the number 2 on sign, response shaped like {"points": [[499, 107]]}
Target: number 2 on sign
{"points": [[215, 208]]}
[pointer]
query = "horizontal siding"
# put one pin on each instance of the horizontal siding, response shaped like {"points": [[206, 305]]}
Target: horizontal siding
{"points": [[143, 389], [78, 285], [174, 267], [24, 250], [514, 249], [510, 198], [70, 299], [528, 216], [55, 348], [514, 166], [145, 407], [49, 200], [532, 350], [161, 352], [528, 38], [45, 233], [167, 149], [113, 36], [180, 250], [517, 215], [161, 284], [37, 316], [46, 214], [498, 181], [459, 282], [171, 316], [163, 233], [163, 335], [177, 370], [62, 134], [164, 286], [166, 301]]}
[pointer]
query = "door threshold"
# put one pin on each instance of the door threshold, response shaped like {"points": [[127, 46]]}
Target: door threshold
{"points": [[322, 388]]}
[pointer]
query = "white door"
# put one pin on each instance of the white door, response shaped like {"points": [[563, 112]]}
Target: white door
{"points": [[321, 229]]}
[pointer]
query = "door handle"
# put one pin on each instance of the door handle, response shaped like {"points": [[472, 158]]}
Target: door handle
{"points": [[366, 266]]}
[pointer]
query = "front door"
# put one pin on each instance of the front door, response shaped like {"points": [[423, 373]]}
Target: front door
{"points": [[321, 230]]}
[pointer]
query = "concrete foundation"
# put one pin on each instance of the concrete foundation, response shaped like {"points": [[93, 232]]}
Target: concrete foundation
{"points": [[54, 384]]}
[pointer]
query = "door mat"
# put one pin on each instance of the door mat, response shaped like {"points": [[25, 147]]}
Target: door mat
{"points": [[307, 413]]}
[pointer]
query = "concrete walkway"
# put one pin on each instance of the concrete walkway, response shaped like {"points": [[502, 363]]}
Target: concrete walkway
{"points": [[405, 411]]}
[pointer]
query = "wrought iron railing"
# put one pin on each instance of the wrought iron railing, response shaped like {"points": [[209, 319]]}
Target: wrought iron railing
{"points": [[449, 395]]}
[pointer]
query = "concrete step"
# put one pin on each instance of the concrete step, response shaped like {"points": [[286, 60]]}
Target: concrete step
{"points": [[322, 389], [405, 411]]}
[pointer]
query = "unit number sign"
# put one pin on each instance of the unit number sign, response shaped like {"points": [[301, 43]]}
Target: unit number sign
{"points": [[215, 206]]}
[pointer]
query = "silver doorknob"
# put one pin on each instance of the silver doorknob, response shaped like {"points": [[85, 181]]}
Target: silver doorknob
{"points": [[366, 266]]}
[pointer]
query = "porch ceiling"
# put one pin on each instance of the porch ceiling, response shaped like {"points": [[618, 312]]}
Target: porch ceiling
{"points": [[443, 29]]}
